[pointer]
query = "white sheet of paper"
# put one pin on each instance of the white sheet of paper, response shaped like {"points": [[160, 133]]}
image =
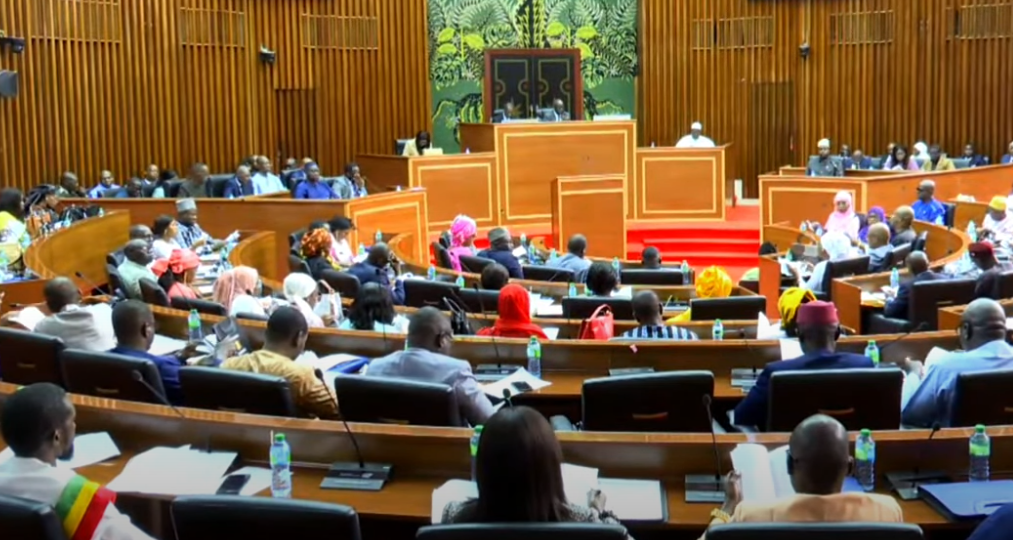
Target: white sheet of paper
{"points": [[521, 375], [551, 331], [325, 364], [89, 449], [28, 317], [173, 471], [753, 463], [763, 327], [633, 500], [209, 259], [624, 292], [577, 482], [552, 310], [779, 472], [165, 345], [205, 290], [790, 349], [260, 479]]}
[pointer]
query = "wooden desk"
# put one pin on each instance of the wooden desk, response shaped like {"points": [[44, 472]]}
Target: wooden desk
{"points": [[82, 247], [593, 206], [673, 184], [964, 212]]}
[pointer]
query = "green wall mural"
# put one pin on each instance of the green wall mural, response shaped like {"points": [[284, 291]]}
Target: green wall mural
{"points": [[460, 31]]}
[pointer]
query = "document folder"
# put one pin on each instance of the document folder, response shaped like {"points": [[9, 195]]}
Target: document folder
{"points": [[968, 501]]}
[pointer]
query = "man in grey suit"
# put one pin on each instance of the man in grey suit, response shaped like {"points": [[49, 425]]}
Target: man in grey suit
{"points": [[80, 327], [558, 112], [350, 185], [426, 360]]}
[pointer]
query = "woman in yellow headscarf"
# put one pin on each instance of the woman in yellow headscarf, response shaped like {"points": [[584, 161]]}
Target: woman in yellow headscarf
{"points": [[792, 299], [713, 282]]}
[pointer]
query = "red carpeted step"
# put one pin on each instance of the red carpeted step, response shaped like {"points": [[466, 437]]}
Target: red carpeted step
{"points": [[704, 245]]}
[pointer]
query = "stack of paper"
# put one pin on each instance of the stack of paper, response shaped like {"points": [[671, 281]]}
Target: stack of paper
{"points": [[515, 382], [28, 318], [764, 474], [89, 449], [173, 471], [790, 348]]}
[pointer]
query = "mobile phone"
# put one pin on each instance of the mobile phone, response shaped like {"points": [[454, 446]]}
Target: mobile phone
{"points": [[521, 386], [233, 484]]}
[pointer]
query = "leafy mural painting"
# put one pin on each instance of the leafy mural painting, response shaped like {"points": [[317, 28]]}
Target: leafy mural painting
{"points": [[460, 31]]}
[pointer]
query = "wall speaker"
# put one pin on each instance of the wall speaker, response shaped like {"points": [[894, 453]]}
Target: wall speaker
{"points": [[8, 84]]}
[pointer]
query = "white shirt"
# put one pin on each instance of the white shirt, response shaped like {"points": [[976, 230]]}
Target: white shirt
{"points": [[81, 327], [1002, 230], [32, 479], [245, 303], [162, 249], [700, 142]]}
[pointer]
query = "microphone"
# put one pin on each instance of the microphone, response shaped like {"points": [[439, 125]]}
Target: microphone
{"points": [[707, 488], [481, 306], [490, 372], [921, 326], [136, 375], [507, 397], [358, 475], [90, 283], [905, 483]]}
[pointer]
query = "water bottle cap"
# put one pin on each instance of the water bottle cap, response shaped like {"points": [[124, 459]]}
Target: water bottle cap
{"points": [[478, 428], [980, 428], [279, 437], [872, 342], [866, 432]]}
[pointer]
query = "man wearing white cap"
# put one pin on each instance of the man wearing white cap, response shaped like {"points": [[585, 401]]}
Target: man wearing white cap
{"points": [[695, 139], [190, 235], [823, 164]]}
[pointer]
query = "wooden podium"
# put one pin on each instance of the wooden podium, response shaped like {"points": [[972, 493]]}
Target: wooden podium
{"points": [[679, 184], [592, 206]]}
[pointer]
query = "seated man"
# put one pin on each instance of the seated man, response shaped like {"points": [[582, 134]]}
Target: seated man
{"points": [[997, 225], [284, 341], [137, 257], [938, 161], [820, 461], [650, 258], [983, 256], [647, 310], [374, 270], [901, 222], [133, 189], [105, 182], [818, 329], [602, 279], [134, 324], [425, 359], [918, 265], [311, 187], [927, 395], [38, 425], [823, 164], [80, 327], [974, 159], [239, 185], [494, 277], [190, 235], [857, 161], [574, 258], [264, 180], [501, 249], [927, 208], [196, 185], [879, 247]]}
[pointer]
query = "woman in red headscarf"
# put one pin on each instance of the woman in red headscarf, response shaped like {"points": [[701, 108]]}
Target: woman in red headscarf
{"points": [[514, 316], [177, 273]]}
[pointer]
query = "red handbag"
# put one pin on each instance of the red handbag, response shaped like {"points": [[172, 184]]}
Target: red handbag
{"points": [[600, 325]]}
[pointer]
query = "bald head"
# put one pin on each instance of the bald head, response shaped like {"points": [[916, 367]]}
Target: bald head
{"points": [[926, 190], [819, 454], [138, 252], [59, 293], [917, 262], [983, 321], [879, 235], [902, 218], [140, 232], [647, 309], [430, 329], [379, 255]]}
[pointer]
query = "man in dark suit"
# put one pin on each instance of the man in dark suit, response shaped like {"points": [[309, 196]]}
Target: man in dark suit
{"points": [[818, 330], [501, 249], [374, 270], [857, 161], [918, 265], [558, 112]]}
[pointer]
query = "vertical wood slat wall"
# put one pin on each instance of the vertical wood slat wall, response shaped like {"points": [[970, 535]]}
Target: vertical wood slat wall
{"points": [[939, 71], [118, 84]]}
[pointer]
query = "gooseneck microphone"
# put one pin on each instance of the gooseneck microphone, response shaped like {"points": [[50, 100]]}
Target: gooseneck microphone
{"points": [[905, 483], [507, 397], [921, 326], [357, 475], [355, 443], [714, 438], [138, 377], [707, 488]]}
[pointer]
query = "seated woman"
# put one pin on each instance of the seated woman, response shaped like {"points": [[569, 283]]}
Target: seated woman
{"points": [[303, 293], [12, 214], [316, 249], [713, 282], [843, 218], [514, 319], [900, 160], [164, 230], [601, 279], [238, 290], [41, 208], [835, 247], [373, 309], [417, 146], [876, 215], [177, 273], [341, 250], [519, 477], [462, 240], [787, 306]]}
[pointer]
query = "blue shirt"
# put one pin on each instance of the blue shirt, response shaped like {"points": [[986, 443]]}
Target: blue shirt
{"points": [[266, 183], [168, 368], [930, 399], [1007, 159], [96, 192], [313, 190], [932, 211], [236, 189], [367, 273], [752, 411]]}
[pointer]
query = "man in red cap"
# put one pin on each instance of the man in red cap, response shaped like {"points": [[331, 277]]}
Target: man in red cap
{"points": [[983, 256], [818, 330], [918, 265]]}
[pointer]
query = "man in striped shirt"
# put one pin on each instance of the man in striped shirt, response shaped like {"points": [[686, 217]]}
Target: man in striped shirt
{"points": [[647, 310]]}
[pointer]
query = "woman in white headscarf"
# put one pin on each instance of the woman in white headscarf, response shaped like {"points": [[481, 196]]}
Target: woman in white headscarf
{"points": [[301, 290], [836, 246]]}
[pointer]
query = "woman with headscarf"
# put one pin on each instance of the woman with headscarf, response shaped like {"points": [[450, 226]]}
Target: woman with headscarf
{"points": [[316, 249], [418, 145], [302, 292], [514, 319], [462, 240], [237, 289], [843, 218], [177, 273], [836, 246], [787, 306], [876, 215], [713, 282]]}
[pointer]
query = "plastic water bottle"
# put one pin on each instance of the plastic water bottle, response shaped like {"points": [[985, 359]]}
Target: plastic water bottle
{"points": [[281, 468], [615, 264], [524, 240], [718, 330], [459, 281], [535, 357], [379, 237], [572, 291], [193, 327], [981, 451], [865, 461], [653, 145], [467, 150], [972, 231], [685, 272], [894, 279], [475, 437], [101, 212], [872, 351], [431, 274], [362, 249], [4, 264]]}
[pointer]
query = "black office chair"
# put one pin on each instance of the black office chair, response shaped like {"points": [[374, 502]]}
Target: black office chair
{"points": [[347, 285], [951, 209], [899, 255], [670, 401], [112, 193], [982, 397], [213, 517], [858, 398], [474, 265], [171, 188], [111, 375], [377, 400], [297, 264], [116, 286], [733, 308], [923, 306], [545, 273], [252, 316], [202, 306], [854, 266], [153, 293], [919, 243], [24, 519], [421, 293], [295, 239], [525, 531], [582, 307], [442, 256], [115, 258], [217, 184], [27, 357], [236, 391], [645, 276], [1003, 286], [479, 301], [811, 531], [399, 145]]}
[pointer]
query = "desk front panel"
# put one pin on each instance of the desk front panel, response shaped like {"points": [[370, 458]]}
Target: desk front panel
{"points": [[679, 184], [794, 200], [592, 206], [458, 184]]}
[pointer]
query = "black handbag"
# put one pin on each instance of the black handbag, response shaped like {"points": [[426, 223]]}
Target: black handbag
{"points": [[458, 318]]}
